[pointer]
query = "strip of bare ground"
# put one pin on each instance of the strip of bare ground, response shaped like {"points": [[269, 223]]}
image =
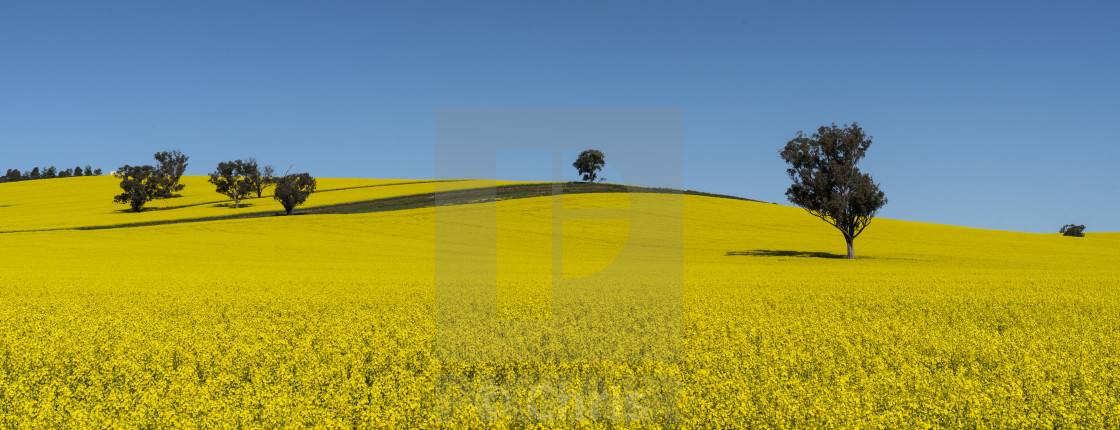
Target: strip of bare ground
{"points": [[390, 184], [424, 200]]}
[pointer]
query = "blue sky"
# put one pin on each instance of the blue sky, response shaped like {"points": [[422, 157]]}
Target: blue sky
{"points": [[984, 114]]}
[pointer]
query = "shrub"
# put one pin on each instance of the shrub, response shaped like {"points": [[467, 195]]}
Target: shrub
{"points": [[1073, 230]]}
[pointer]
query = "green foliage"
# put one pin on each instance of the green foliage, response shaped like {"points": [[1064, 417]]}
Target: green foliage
{"points": [[141, 184], [1073, 230], [172, 164], [261, 180], [589, 163], [232, 179], [292, 190], [826, 181], [14, 175]]}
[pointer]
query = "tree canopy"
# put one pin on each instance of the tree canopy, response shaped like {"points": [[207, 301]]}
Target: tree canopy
{"points": [[141, 184], [262, 179], [172, 164], [589, 163], [1073, 230], [827, 183], [232, 179], [292, 190]]}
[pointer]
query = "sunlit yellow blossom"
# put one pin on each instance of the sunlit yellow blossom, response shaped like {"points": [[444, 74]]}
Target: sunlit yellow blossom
{"points": [[327, 320]]}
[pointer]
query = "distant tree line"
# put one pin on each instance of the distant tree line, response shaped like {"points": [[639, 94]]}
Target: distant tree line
{"points": [[14, 175]]}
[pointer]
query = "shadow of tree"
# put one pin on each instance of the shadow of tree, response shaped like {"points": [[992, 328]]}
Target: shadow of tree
{"points": [[163, 208], [230, 205], [784, 253]]}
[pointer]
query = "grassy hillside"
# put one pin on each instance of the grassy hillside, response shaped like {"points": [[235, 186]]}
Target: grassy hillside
{"points": [[342, 320]]}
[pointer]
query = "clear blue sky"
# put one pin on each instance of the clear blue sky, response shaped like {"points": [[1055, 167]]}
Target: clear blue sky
{"points": [[984, 114]]}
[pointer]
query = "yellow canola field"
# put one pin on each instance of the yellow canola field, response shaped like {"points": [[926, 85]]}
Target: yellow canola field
{"points": [[661, 310], [88, 201]]}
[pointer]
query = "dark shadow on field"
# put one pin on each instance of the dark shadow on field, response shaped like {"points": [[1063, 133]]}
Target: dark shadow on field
{"points": [[230, 205], [161, 208], [783, 253]]}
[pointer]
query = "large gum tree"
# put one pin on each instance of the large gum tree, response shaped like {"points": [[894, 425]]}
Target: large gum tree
{"points": [[827, 183]]}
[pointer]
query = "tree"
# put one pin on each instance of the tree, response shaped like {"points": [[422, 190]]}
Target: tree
{"points": [[141, 184], [96, 172], [89, 172], [292, 190], [232, 179], [588, 163], [65, 173], [77, 170], [34, 173], [262, 180], [50, 172], [269, 177], [827, 183], [172, 164], [14, 175], [1073, 230]]}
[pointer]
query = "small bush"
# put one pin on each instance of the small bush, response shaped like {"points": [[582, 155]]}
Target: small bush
{"points": [[1073, 230]]}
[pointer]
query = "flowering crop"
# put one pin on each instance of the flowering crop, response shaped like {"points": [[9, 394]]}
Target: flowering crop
{"points": [[88, 201], [333, 321]]}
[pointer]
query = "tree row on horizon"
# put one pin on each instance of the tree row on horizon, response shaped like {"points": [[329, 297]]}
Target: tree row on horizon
{"points": [[15, 175]]}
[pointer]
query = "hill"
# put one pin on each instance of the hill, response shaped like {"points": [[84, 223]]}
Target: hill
{"points": [[742, 310], [86, 202]]}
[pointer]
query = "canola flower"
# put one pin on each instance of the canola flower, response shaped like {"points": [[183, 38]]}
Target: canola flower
{"points": [[336, 321], [88, 201]]}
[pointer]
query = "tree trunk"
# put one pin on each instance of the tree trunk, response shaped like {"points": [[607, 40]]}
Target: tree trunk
{"points": [[237, 204], [851, 249]]}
